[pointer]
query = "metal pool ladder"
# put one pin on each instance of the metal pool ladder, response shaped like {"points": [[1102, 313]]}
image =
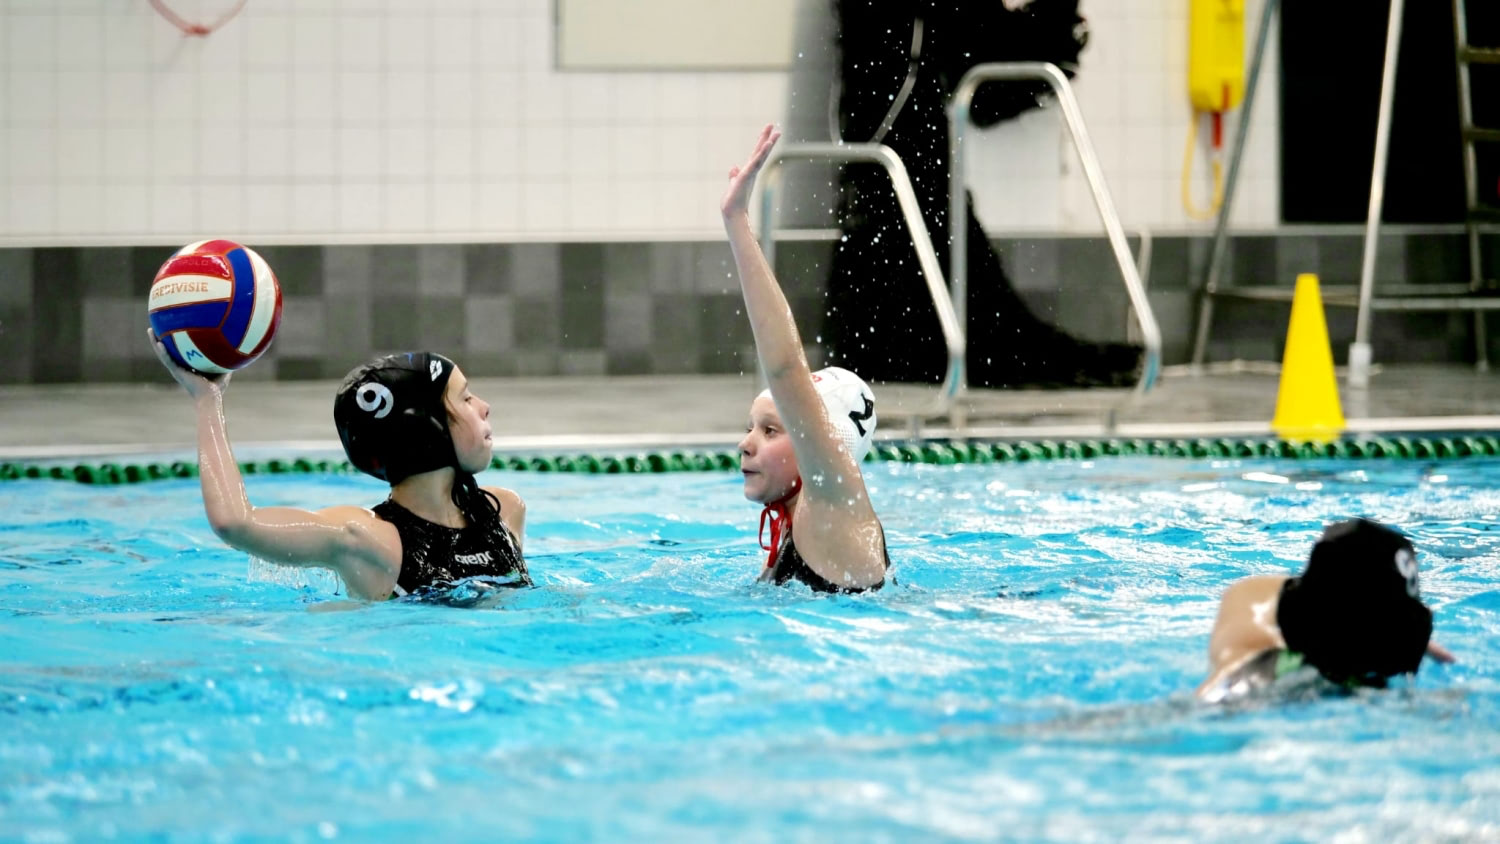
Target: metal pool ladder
{"points": [[958, 255], [951, 307], [942, 403], [1477, 296]]}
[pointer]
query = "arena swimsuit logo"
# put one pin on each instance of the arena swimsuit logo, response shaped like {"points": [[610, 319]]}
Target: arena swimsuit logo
{"points": [[375, 398], [435, 368]]}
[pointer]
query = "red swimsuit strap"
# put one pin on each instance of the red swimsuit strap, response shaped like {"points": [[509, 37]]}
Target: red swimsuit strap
{"points": [[780, 519]]}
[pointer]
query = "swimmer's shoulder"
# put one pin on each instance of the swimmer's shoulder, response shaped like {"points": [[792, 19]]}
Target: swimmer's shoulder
{"points": [[1245, 628], [508, 497], [512, 509], [1247, 618], [843, 548], [356, 517], [1242, 594], [369, 559]]}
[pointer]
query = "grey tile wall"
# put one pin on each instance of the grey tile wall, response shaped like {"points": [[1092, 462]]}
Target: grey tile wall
{"points": [[17, 295], [78, 314], [57, 308]]}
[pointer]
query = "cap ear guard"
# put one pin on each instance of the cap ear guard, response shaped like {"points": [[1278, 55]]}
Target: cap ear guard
{"points": [[851, 408], [391, 416]]}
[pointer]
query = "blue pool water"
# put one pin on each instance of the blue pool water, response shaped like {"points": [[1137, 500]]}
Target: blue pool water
{"points": [[1027, 677]]}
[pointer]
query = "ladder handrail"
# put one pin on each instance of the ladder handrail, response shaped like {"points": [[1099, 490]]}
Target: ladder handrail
{"points": [[1464, 53], [1360, 350], [911, 211], [958, 232]]}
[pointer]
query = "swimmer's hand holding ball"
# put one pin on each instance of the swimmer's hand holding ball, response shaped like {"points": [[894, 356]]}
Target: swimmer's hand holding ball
{"points": [[196, 384], [214, 306]]}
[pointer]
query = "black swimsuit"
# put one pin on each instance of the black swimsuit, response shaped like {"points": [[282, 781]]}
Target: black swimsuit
{"points": [[791, 566], [437, 555]]}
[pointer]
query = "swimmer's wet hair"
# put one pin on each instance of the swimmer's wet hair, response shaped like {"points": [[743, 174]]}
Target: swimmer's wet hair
{"points": [[1356, 613]]}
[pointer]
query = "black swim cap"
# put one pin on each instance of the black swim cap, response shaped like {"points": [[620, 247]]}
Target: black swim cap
{"points": [[391, 417], [1356, 613]]}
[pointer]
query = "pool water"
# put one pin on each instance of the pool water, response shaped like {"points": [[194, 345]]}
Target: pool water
{"points": [[1027, 677]]}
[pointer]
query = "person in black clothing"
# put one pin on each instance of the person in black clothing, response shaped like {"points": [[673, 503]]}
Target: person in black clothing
{"points": [[410, 420], [899, 62]]}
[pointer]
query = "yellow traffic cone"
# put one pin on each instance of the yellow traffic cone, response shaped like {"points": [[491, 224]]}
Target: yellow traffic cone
{"points": [[1307, 403]]}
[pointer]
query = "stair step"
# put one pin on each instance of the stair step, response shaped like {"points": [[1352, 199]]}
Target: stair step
{"points": [[1477, 135], [1479, 55], [1402, 297]]}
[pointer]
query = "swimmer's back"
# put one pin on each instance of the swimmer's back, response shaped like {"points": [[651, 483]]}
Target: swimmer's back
{"points": [[1246, 626]]}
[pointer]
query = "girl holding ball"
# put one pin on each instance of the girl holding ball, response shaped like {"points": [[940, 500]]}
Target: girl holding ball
{"points": [[408, 419]]}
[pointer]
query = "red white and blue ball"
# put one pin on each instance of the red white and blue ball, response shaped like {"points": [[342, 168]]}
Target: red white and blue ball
{"points": [[215, 305]]}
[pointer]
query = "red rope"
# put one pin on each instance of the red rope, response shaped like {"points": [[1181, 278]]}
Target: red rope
{"points": [[197, 29]]}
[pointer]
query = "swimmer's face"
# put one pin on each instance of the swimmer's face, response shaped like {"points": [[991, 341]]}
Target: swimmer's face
{"points": [[767, 461], [468, 424]]}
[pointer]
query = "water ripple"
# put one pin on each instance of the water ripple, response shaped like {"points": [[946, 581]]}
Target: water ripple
{"points": [[1027, 673]]}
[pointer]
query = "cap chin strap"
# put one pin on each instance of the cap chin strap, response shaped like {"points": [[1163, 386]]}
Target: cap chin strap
{"points": [[780, 519]]}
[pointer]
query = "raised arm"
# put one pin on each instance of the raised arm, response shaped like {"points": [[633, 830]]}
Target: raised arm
{"points": [[829, 472], [349, 540]]}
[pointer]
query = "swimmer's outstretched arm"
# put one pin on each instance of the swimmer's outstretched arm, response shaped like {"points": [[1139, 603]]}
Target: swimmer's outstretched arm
{"points": [[832, 482], [820, 452], [348, 540]]}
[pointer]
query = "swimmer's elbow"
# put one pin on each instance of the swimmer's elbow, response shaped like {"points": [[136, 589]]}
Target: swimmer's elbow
{"points": [[241, 534], [233, 530]]}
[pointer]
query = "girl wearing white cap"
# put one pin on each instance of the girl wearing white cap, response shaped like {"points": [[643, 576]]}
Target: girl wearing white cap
{"points": [[807, 432]]}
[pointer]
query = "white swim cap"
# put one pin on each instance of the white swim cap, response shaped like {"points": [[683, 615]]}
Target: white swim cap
{"points": [[851, 407]]}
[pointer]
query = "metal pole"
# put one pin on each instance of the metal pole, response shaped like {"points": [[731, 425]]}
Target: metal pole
{"points": [[1143, 269], [958, 219], [1236, 157], [1471, 189], [1360, 354]]}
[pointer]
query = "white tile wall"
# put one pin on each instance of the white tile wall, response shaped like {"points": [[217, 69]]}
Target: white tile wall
{"points": [[380, 119]]}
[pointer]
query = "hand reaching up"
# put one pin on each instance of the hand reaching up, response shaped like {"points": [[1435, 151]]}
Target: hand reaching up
{"points": [[742, 179]]}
